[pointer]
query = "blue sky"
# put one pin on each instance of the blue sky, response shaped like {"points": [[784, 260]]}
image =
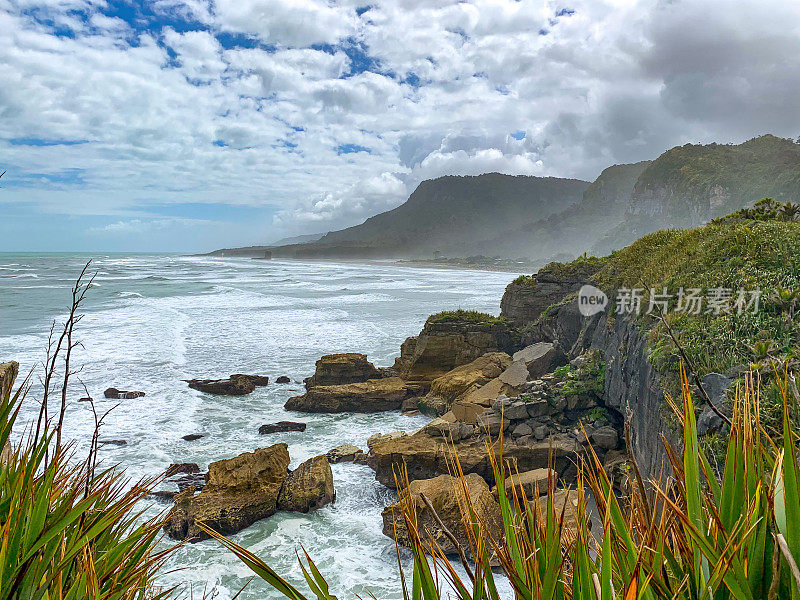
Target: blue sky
{"points": [[187, 125]]}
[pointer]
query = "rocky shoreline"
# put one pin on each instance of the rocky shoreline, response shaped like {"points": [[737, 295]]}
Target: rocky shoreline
{"points": [[530, 377]]}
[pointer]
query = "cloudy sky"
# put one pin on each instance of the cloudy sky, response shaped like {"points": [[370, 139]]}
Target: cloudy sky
{"points": [[187, 125]]}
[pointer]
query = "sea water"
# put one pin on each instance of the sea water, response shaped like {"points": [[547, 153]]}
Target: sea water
{"points": [[153, 320]]}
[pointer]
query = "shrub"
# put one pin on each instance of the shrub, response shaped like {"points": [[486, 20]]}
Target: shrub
{"points": [[695, 537]]}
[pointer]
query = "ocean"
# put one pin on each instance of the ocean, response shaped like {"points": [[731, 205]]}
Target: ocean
{"points": [[152, 320]]}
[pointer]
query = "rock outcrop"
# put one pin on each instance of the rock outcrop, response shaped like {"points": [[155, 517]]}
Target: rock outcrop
{"points": [[374, 395], [462, 380], [427, 453], [115, 394], [342, 369], [345, 453], [308, 487], [445, 494], [528, 484], [8, 373], [281, 427], [237, 384], [445, 344], [239, 491]]}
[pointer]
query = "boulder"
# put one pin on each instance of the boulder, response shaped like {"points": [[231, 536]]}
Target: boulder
{"points": [[109, 442], [427, 455], [281, 426], [515, 375], [540, 358], [529, 484], [178, 468], [116, 394], [237, 384], [471, 376], [344, 453], [283, 379], [605, 438], [445, 344], [488, 393], [446, 494], [308, 487], [239, 491], [563, 500], [467, 412], [342, 369], [192, 437], [373, 395]]}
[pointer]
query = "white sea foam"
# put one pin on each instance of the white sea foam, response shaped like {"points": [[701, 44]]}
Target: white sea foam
{"points": [[159, 319]]}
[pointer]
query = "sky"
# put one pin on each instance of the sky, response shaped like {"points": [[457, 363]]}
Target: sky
{"points": [[190, 125]]}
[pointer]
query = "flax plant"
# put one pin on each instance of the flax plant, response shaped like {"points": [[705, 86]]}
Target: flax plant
{"points": [[686, 536]]}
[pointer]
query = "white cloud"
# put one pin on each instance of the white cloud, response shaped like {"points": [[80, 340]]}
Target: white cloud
{"points": [[327, 115]]}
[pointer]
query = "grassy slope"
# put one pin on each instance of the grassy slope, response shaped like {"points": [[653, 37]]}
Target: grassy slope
{"points": [[691, 184]]}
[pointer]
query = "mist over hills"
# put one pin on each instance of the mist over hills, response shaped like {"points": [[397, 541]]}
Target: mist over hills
{"points": [[538, 219]]}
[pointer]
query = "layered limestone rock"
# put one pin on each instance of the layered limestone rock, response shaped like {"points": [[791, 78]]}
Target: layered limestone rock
{"points": [[444, 345], [345, 453], [374, 395], [237, 384], [239, 491], [308, 487], [446, 495], [526, 298], [342, 369], [427, 454], [462, 380], [528, 484]]}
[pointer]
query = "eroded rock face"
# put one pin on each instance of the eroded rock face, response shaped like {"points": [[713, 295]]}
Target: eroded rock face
{"points": [[426, 454], [342, 369], [281, 427], [308, 487], [239, 491], [8, 373], [374, 395], [444, 493], [525, 299], [466, 378], [237, 384], [529, 484], [344, 453], [442, 346]]}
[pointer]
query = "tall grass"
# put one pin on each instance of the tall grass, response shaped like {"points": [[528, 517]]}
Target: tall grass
{"points": [[68, 530], [688, 536]]}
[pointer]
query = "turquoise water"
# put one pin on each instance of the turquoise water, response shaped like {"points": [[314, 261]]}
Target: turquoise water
{"points": [[153, 320]]}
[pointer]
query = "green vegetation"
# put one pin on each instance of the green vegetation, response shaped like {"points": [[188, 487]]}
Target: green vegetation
{"points": [[69, 532], [733, 254], [697, 537], [582, 267], [528, 280], [462, 316], [589, 379]]}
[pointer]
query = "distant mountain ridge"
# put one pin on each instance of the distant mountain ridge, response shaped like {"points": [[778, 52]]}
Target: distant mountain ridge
{"points": [[547, 218]]}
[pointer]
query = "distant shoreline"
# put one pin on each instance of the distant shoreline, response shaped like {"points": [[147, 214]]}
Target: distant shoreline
{"points": [[407, 263]]}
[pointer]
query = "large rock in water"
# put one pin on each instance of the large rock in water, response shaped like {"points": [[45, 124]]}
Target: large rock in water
{"points": [[444, 345], [427, 455], [374, 395], [239, 491], [445, 494], [341, 369], [237, 384], [458, 382], [308, 487]]}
